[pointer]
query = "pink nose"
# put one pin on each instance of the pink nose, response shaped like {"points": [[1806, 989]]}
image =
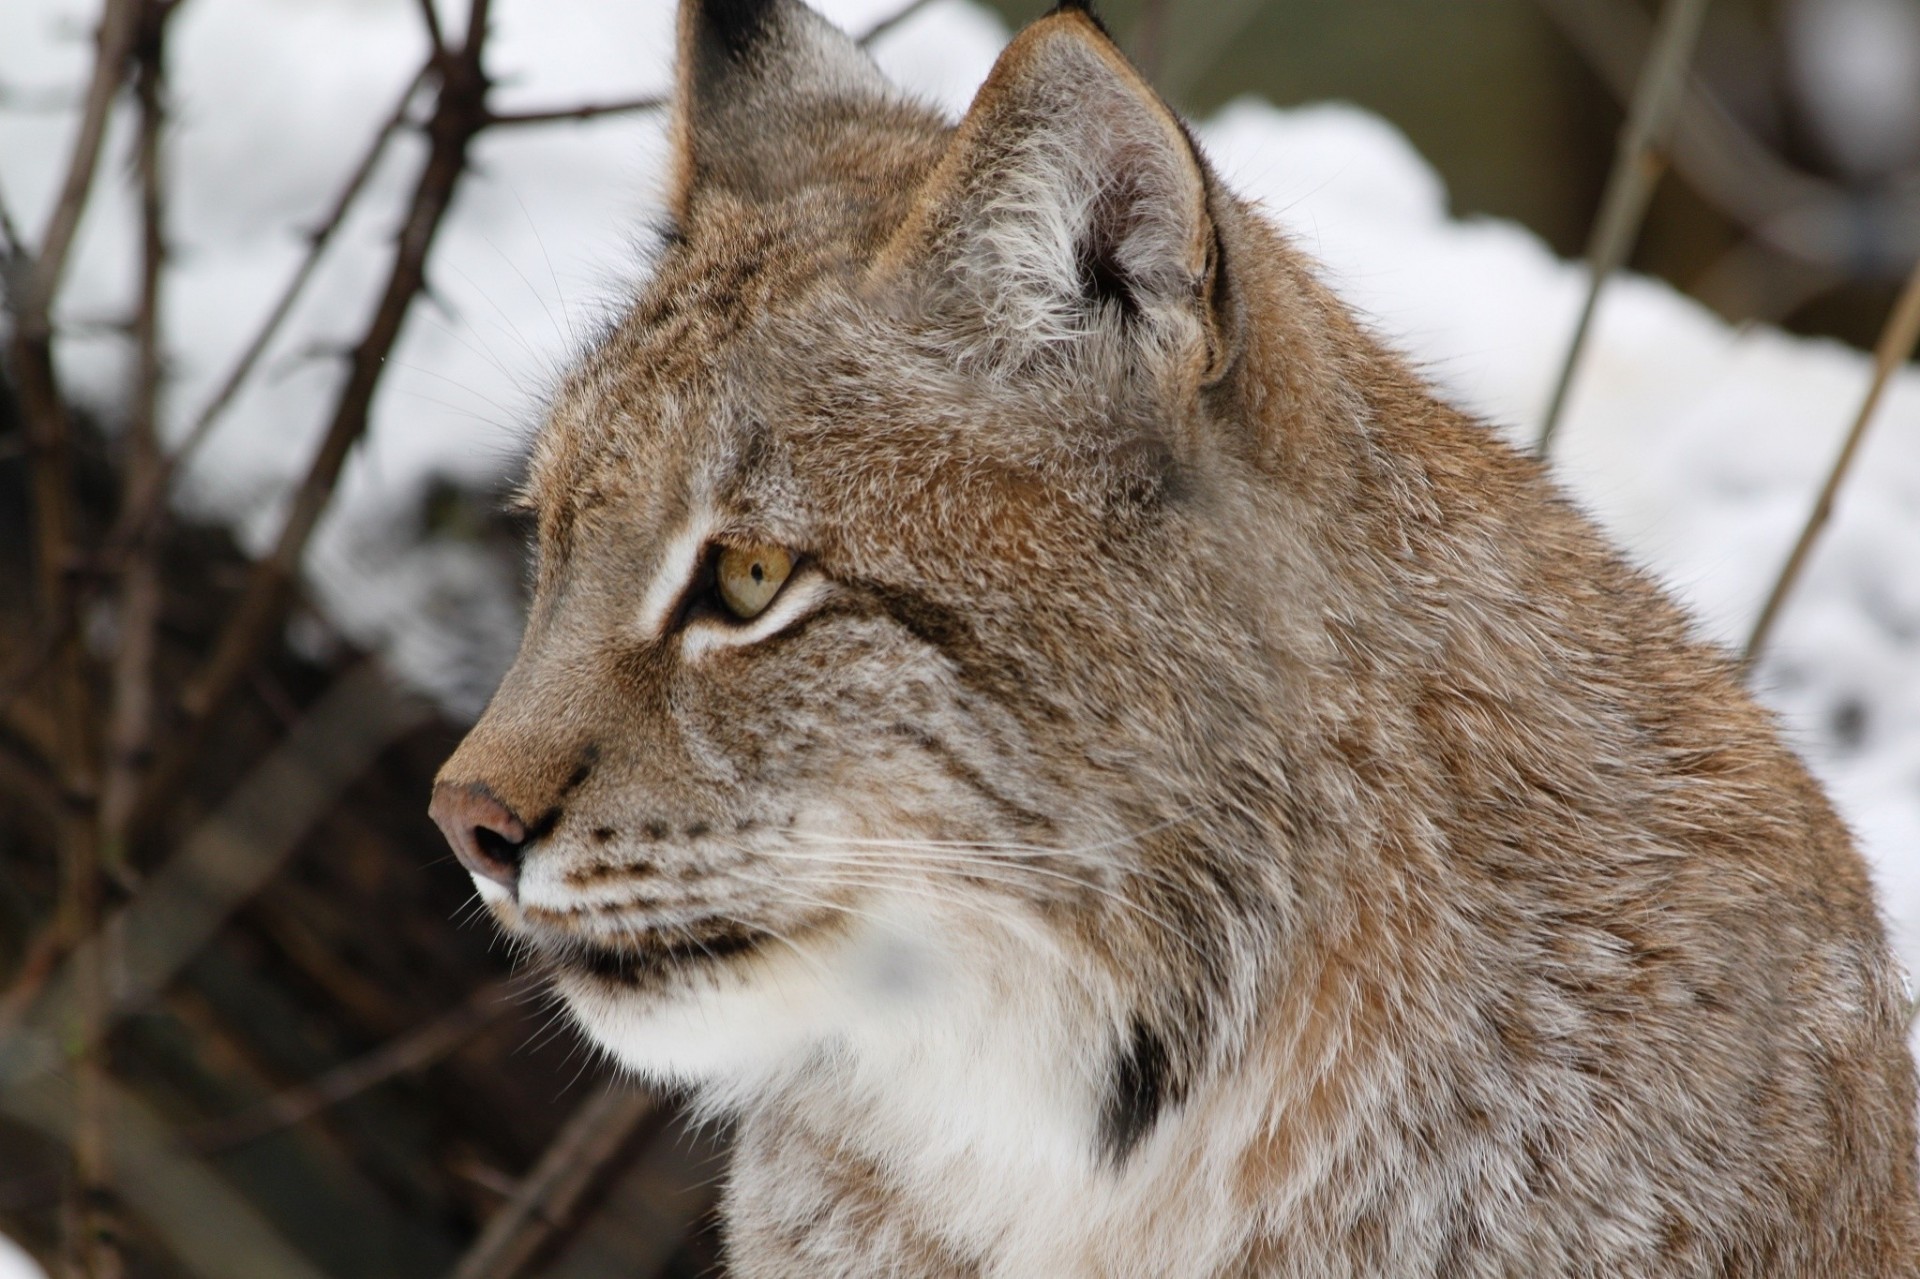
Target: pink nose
{"points": [[484, 833]]}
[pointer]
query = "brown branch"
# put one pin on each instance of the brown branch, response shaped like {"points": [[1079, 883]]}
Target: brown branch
{"points": [[405, 1055], [113, 43], [317, 241], [129, 738], [228, 857], [1637, 165], [655, 101], [460, 112], [430, 19], [549, 1196], [589, 111], [1793, 212], [1895, 347]]}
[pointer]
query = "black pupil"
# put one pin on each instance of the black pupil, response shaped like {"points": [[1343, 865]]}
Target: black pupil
{"points": [[759, 573]]}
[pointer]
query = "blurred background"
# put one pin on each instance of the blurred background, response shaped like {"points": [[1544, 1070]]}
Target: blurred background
{"points": [[285, 283]]}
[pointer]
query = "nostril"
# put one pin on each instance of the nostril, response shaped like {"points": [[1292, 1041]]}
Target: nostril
{"points": [[497, 848], [484, 833]]}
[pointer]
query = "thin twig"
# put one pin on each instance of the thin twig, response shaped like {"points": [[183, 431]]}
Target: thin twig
{"points": [[317, 241], [655, 101], [1857, 233], [409, 1053], [1637, 164], [548, 1197], [37, 964], [1895, 347], [430, 19], [589, 111], [228, 858], [129, 740], [114, 42]]}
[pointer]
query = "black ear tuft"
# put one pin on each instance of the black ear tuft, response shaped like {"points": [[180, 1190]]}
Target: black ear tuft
{"points": [[1081, 7], [731, 28]]}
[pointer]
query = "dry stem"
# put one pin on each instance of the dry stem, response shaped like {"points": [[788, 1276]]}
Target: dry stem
{"points": [[404, 1055], [1637, 166], [1895, 347], [549, 1195]]}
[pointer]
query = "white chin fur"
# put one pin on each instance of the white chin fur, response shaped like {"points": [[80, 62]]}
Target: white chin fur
{"points": [[896, 982], [490, 893]]}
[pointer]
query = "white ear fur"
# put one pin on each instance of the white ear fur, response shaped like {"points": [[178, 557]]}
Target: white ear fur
{"points": [[1076, 205]]}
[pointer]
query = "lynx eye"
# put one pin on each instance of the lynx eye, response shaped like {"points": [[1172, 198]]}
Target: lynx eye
{"points": [[748, 577]]}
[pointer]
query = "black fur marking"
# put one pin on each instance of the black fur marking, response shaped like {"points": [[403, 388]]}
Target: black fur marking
{"points": [[645, 964], [583, 770], [1081, 6], [733, 27], [1138, 1089], [968, 776]]}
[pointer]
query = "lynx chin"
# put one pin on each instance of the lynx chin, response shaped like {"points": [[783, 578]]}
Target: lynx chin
{"points": [[1031, 711]]}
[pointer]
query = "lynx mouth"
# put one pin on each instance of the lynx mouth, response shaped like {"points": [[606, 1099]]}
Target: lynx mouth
{"points": [[651, 956]]}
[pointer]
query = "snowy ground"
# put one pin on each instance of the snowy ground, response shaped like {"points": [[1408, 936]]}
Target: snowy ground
{"points": [[1699, 445]]}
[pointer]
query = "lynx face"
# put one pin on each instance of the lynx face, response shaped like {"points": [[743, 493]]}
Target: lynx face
{"points": [[1032, 710], [900, 771]]}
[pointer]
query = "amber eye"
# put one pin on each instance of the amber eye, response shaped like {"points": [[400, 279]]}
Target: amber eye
{"points": [[748, 577]]}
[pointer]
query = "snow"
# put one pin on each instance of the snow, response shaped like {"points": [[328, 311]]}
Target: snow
{"points": [[1698, 444]]}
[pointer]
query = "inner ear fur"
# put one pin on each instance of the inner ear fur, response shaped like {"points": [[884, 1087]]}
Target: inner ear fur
{"points": [[1071, 200], [770, 97]]}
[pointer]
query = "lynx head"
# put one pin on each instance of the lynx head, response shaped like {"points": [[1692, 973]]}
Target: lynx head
{"points": [[926, 571]]}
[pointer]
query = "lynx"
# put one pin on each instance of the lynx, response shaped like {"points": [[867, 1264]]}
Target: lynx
{"points": [[1032, 713]]}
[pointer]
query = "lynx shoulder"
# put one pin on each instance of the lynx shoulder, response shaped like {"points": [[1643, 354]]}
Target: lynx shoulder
{"points": [[1033, 712]]}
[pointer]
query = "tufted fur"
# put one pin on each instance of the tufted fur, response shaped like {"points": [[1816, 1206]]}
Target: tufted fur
{"points": [[1202, 806]]}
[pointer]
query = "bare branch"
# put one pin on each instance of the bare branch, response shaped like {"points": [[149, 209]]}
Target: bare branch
{"points": [[548, 1198], [130, 718], [114, 42], [1637, 166], [589, 111], [460, 112], [11, 246], [1895, 347], [1793, 212], [655, 101], [209, 1227], [226, 860], [405, 1055], [317, 241], [430, 19]]}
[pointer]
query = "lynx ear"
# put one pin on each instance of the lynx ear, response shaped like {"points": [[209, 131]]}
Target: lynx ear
{"points": [[1071, 203], [764, 88]]}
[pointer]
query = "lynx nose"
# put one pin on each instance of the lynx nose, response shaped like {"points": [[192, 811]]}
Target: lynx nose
{"points": [[484, 833]]}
